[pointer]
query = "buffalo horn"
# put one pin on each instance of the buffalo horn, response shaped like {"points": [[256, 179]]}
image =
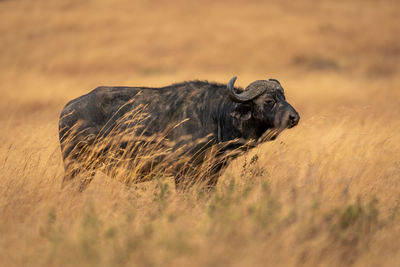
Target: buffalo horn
{"points": [[252, 91]]}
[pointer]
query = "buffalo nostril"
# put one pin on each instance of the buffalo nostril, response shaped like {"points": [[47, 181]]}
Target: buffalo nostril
{"points": [[294, 119]]}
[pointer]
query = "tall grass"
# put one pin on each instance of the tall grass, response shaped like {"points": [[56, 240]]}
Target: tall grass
{"points": [[123, 149], [325, 193], [306, 198]]}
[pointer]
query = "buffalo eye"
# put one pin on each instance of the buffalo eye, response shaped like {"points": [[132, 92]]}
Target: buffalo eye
{"points": [[269, 102]]}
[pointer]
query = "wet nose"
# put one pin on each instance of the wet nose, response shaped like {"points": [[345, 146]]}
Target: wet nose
{"points": [[293, 119]]}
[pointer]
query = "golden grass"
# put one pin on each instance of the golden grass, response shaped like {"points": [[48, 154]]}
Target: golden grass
{"points": [[324, 193]]}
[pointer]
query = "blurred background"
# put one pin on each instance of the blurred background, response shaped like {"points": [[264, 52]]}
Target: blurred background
{"points": [[334, 180], [53, 51]]}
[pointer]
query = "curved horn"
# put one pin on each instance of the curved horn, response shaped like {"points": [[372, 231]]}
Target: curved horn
{"points": [[231, 83], [252, 91], [274, 80]]}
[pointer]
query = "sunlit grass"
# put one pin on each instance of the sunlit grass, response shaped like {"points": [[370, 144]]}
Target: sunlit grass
{"points": [[325, 193], [327, 198]]}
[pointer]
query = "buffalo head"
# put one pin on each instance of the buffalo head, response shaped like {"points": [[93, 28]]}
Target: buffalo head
{"points": [[260, 107]]}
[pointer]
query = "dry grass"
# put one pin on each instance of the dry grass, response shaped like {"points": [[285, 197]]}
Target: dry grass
{"points": [[325, 193]]}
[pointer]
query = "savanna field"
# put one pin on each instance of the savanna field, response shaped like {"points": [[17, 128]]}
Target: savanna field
{"points": [[325, 193]]}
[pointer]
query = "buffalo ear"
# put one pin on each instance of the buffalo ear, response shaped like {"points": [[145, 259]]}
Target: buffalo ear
{"points": [[242, 112]]}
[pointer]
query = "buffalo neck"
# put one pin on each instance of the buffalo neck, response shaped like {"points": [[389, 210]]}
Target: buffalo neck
{"points": [[226, 129]]}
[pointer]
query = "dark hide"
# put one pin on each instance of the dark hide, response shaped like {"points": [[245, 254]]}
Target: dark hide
{"points": [[191, 116]]}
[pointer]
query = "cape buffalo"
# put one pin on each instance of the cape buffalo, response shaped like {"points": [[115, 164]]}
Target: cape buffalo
{"points": [[176, 129]]}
